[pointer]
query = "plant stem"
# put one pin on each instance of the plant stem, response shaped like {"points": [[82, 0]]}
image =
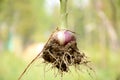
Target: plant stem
{"points": [[63, 14]]}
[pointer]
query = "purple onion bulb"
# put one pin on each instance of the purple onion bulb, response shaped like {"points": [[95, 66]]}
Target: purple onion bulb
{"points": [[64, 37]]}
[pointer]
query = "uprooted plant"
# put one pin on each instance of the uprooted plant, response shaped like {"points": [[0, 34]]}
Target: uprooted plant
{"points": [[61, 48]]}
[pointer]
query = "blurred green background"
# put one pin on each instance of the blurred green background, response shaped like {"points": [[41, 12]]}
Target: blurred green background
{"points": [[25, 26]]}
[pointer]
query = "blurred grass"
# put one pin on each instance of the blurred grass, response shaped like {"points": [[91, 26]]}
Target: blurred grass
{"points": [[105, 67], [10, 67]]}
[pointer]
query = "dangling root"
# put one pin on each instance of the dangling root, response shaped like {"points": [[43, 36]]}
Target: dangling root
{"points": [[60, 56]]}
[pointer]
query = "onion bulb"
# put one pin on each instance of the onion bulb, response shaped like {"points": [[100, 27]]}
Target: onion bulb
{"points": [[64, 36]]}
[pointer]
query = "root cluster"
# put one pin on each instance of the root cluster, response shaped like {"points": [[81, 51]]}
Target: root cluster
{"points": [[63, 56]]}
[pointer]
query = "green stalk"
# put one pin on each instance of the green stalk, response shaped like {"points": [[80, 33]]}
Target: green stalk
{"points": [[63, 14]]}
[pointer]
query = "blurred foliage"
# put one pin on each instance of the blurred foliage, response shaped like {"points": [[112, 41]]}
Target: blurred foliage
{"points": [[25, 22], [30, 20]]}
